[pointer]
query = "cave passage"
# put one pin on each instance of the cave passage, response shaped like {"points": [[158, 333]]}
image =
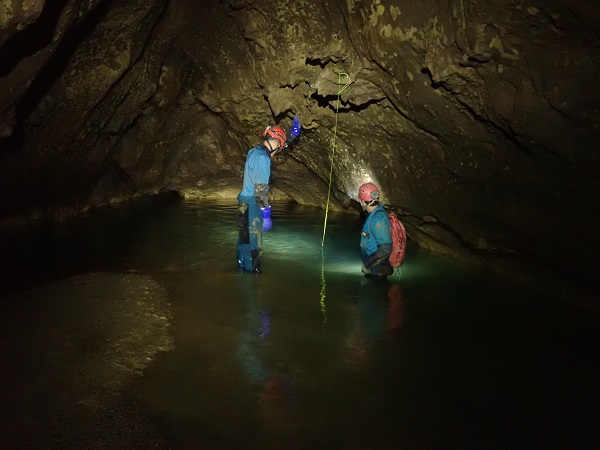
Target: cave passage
{"points": [[141, 323]]}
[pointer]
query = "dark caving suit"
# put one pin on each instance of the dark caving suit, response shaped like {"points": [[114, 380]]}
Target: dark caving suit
{"points": [[376, 243], [253, 196]]}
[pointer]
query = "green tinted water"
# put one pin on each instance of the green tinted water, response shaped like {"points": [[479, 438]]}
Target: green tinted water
{"points": [[310, 354]]}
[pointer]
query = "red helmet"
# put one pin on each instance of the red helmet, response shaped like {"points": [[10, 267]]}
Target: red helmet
{"points": [[368, 192], [276, 132]]}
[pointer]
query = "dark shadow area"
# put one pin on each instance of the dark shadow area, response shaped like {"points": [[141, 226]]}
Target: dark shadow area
{"points": [[50, 73], [327, 101], [317, 62], [434, 84], [44, 251], [35, 37]]}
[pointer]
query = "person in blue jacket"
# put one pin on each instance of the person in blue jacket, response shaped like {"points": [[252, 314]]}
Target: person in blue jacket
{"points": [[375, 239], [254, 211]]}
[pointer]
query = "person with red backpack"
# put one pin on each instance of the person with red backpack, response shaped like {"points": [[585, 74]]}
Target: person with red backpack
{"points": [[254, 211], [376, 244]]}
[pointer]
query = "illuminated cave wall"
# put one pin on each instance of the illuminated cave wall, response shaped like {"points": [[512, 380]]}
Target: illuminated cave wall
{"points": [[478, 119]]}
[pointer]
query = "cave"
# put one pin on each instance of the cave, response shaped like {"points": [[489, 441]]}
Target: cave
{"points": [[477, 120]]}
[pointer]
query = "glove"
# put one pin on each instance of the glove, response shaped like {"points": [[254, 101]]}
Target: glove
{"points": [[296, 126], [364, 270], [266, 215]]}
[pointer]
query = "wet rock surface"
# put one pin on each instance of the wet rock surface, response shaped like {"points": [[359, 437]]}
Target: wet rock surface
{"points": [[69, 352]]}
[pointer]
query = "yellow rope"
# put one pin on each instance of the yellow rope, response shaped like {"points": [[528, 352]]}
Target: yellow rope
{"points": [[323, 283], [342, 89], [323, 292]]}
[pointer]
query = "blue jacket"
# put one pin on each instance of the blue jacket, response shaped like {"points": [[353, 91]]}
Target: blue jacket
{"points": [[256, 177], [375, 238]]}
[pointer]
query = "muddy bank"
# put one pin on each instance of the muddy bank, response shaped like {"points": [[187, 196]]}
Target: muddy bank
{"points": [[70, 351]]}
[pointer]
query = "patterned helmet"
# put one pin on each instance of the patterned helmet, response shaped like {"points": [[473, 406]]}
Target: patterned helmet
{"points": [[276, 132], [368, 192]]}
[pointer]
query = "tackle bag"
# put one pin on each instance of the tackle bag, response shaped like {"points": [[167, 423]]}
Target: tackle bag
{"points": [[398, 241]]}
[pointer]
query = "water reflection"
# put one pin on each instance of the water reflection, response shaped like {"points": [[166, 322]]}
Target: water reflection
{"points": [[269, 381], [379, 315], [310, 354], [255, 334]]}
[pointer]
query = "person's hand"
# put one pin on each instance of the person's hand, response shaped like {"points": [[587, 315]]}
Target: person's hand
{"points": [[296, 126], [364, 270], [266, 215]]}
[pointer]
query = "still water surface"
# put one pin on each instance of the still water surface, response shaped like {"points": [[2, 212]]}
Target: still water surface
{"points": [[310, 354]]}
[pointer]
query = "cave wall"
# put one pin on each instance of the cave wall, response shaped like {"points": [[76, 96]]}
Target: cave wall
{"points": [[479, 120]]}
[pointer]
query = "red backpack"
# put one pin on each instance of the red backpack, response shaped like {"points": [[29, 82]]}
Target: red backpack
{"points": [[398, 241], [398, 235]]}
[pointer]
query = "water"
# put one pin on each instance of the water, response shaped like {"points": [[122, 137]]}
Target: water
{"points": [[310, 354]]}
